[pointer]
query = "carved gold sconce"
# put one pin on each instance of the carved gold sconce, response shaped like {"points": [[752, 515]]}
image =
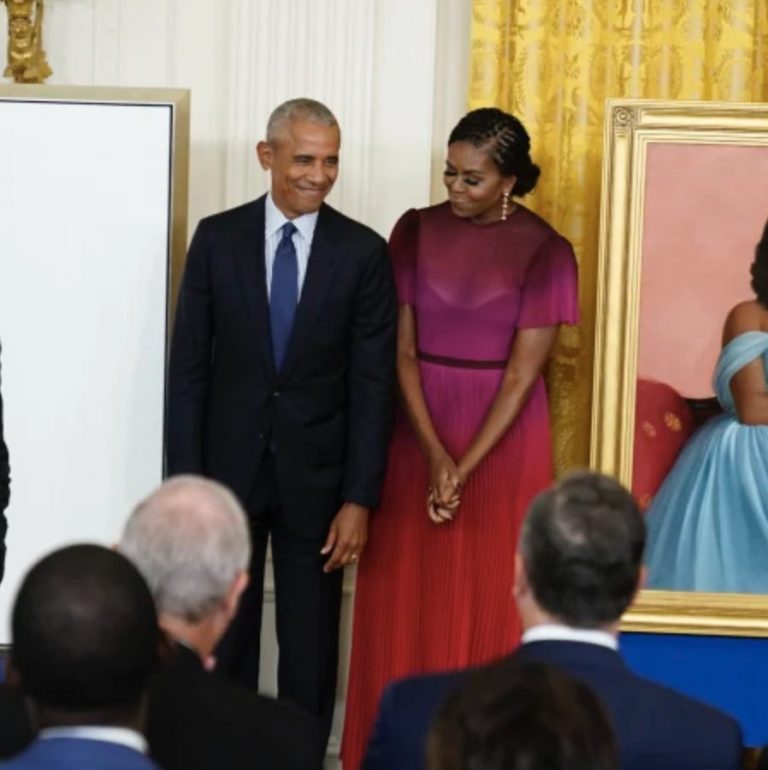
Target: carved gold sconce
{"points": [[26, 57]]}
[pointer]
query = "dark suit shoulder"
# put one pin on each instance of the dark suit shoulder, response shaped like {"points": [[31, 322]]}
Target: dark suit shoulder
{"points": [[234, 219], [656, 726], [16, 732], [693, 711], [666, 729], [200, 721], [406, 711], [439, 682], [347, 227]]}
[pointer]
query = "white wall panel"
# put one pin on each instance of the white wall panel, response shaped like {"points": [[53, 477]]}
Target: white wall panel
{"points": [[85, 199]]}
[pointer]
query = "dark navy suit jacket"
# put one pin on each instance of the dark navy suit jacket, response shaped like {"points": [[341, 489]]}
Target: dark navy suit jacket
{"points": [[80, 753], [656, 728], [328, 409], [198, 721]]}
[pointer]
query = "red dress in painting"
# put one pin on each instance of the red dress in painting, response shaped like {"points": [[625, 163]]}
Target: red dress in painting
{"points": [[434, 597]]}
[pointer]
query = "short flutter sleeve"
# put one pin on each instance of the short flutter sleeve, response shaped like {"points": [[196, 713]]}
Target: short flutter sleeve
{"points": [[550, 290], [403, 247]]}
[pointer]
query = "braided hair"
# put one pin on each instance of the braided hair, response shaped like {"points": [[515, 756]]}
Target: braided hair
{"points": [[506, 139], [759, 270]]}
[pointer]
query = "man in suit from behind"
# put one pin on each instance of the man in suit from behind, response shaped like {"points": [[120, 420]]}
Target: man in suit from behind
{"points": [[189, 539], [5, 487], [281, 384], [577, 569], [85, 643]]}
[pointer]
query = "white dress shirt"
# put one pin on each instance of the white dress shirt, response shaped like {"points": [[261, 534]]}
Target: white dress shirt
{"points": [[123, 736], [556, 632], [274, 219]]}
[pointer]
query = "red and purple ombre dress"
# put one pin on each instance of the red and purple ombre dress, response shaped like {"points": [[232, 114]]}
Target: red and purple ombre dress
{"points": [[439, 596]]}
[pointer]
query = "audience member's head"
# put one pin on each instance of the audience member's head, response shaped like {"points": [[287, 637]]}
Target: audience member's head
{"points": [[580, 554], [85, 637], [191, 542], [521, 716]]}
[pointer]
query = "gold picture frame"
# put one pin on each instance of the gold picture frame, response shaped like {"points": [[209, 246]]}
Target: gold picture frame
{"points": [[632, 126]]}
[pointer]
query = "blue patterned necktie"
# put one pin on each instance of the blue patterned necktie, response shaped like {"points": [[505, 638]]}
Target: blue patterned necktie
{"points": [[284, 293]]}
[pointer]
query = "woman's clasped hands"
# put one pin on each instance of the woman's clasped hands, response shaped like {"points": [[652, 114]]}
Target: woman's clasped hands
{"points": [[444, 493]]}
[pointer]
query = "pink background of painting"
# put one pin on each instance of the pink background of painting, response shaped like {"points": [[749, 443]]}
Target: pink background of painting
{"points": [[705, 208]]}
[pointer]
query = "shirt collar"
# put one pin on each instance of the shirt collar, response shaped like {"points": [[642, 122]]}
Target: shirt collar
{"points": [[122, 736], [549, 632], [274, 219]]}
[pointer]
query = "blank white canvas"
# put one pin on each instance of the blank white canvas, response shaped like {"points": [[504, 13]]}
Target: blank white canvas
{"points": [[84, 233]]}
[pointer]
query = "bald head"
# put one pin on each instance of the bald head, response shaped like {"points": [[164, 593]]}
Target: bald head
{"points": [[190, 541]]}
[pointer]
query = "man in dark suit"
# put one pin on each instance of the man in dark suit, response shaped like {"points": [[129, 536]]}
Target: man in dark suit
{"points": [[5, 490], [189, 539], [281, 386], [578, 568], [85, 643]]}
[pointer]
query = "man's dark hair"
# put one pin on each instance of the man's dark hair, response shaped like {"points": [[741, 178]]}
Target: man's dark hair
{"points": [[85, 633], [521, 716], [760, 269], [582, 546], [507, 141]]}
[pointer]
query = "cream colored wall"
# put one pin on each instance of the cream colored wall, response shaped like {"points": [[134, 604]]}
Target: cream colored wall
{"points": [[394, 71], [372, 61]]}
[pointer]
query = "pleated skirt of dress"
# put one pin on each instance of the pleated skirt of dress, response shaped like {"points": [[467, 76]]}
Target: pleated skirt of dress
{"points": [[435, 597]]}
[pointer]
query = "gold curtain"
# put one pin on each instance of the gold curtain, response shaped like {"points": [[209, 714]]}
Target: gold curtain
{"points": [[553, 63]]}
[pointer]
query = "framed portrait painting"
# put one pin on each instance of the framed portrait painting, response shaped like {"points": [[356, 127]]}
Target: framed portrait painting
{"points": [[685, 202]]}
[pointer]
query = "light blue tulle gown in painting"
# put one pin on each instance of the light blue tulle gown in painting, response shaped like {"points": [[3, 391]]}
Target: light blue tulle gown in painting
{"points": [[708, 524]]}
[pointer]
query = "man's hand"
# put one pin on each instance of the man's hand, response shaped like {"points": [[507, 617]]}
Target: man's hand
{"points": [[347, 536]]}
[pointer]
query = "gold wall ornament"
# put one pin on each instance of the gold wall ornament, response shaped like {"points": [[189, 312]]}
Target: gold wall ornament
{"points": [[26, 57]]}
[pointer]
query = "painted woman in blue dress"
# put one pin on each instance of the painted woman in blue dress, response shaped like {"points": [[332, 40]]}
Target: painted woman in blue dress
{"points": [[708, 524]]}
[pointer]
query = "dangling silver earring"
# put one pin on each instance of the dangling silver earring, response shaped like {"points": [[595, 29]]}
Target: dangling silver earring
{"points": [[504, 205]]}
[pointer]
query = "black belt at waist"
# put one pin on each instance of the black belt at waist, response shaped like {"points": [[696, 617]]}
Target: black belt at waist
{"points": [[460, 363]]}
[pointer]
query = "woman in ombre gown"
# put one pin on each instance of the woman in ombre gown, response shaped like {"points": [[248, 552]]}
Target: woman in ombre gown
{"points": [[708, 523], [483, 285]]}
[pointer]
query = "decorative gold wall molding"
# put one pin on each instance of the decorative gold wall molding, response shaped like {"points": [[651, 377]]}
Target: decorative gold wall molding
{"points": [[679, 612], [27, 62]]}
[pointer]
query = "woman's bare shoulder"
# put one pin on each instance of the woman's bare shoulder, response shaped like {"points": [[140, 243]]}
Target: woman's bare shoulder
{"points": [[749, 316]]}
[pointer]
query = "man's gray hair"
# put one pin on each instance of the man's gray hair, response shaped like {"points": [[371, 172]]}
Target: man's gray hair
{"points": [[305, 109], [189, 539], [582, 545]]}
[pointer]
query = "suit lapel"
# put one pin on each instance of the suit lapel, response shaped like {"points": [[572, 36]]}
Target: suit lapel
{"points": [[249, 250], [317, 282]]}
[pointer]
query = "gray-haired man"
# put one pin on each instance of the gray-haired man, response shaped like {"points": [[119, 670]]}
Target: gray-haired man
{"points": [[189, 539]]}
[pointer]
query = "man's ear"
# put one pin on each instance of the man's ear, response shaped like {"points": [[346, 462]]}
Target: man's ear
{"points": [[642, 578], [264, 153], [232, 600], [12, 676], [520, 577]]}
